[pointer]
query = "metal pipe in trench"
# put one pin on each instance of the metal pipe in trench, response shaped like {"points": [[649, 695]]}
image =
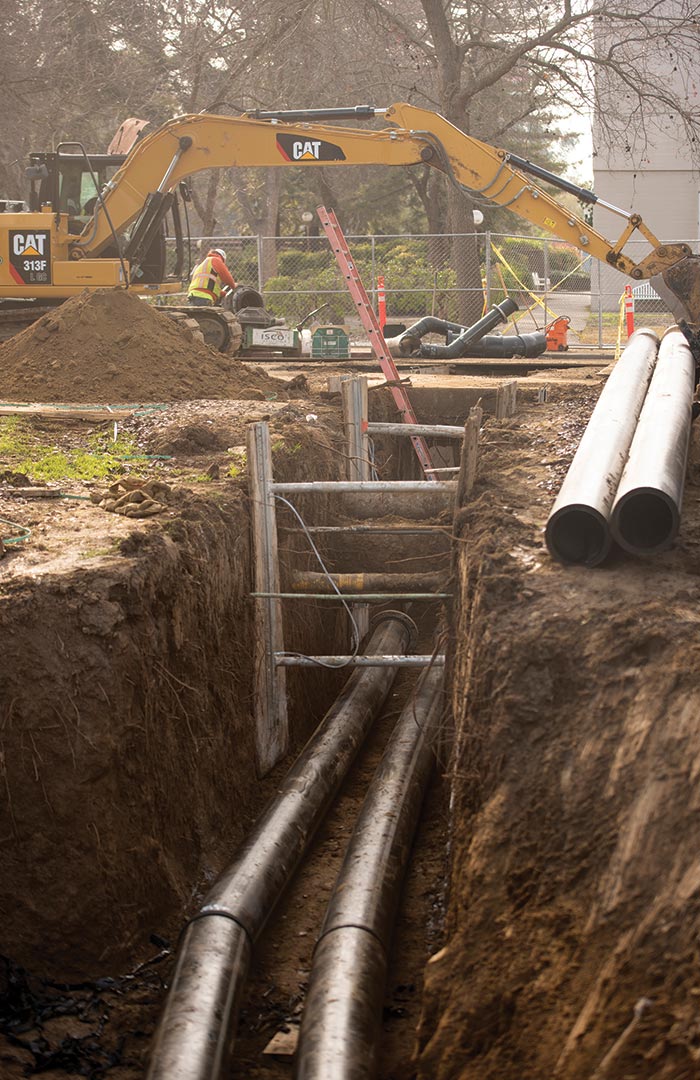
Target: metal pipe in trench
{"points": [[194, 1039], [311, 581], [578, 527], [342, 1016], [646, 513]]}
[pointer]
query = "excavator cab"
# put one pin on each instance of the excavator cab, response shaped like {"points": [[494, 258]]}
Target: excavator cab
{"points": [[65, 183], [70, 183]]}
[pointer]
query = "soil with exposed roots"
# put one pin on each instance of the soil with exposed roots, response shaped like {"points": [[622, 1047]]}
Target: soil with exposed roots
{"points": [[574, 910]]}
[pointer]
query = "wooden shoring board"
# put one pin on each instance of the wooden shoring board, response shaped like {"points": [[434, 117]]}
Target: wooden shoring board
{"points": [[67, 412]]}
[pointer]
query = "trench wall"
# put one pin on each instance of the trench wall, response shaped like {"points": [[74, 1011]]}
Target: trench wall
{"points": [[127, 771], [574, 894]]}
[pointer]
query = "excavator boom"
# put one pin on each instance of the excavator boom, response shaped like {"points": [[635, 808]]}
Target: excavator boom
{"points": [[140, 193]]}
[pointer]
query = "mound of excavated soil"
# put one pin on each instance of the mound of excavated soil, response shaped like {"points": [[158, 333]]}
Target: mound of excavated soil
{"points": [[109, 346]]}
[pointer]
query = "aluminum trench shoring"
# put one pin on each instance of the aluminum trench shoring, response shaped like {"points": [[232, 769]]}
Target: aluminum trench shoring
{"points": [[340, 249], [271, 658], [417, 661]]}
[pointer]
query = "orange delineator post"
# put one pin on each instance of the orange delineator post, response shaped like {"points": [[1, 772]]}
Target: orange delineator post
{"points": [[365, 310], [629, 310], [381, 301]]}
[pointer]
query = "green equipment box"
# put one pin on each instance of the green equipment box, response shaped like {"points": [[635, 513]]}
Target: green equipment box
{"points": [[330, 342]]}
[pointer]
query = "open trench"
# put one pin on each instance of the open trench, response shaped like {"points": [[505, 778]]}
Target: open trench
{"points": [[128, 763], [554, 877]]}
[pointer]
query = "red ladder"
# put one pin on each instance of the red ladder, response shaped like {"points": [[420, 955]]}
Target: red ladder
{"points": [[376, 338]]}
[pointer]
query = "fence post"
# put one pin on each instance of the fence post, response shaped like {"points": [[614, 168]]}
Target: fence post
{"points": [[487, 236], [545, 260], [374, 276], [260, 262], [600, 307]]}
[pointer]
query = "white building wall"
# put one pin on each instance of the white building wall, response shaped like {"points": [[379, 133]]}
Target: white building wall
{"points": [[647, 169]]}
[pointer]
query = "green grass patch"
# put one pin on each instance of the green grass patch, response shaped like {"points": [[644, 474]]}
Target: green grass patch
{"points": [[26, 451]]}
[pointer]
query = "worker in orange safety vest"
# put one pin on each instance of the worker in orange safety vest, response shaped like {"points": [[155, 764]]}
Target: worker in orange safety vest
{"points": [[209, 278]]}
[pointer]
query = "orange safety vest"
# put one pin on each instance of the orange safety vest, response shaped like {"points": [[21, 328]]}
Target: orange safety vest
{"points": [[205, 281]]}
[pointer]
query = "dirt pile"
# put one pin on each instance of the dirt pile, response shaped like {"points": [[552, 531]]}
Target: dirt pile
{"points": [[575, 882], [109, 346]]}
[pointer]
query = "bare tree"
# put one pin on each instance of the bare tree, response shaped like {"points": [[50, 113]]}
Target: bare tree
{"points": [[531, 60]]}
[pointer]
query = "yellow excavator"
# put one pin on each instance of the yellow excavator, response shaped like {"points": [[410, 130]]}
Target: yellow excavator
{"points": [[99, 221]]}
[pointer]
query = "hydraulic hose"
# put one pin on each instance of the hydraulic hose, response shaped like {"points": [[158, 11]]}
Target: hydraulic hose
{"points": [[578, 528], [194, 1039], [647, 510], [342, 1017]]}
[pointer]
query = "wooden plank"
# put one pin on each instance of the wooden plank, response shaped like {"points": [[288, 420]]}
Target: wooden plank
{"points": [[53, 412], [470, 456], [357, 467], [271, 723], [284, 1042]]}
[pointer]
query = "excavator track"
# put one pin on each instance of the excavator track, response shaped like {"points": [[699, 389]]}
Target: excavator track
{"points": [[219, 329], [190, 326]]}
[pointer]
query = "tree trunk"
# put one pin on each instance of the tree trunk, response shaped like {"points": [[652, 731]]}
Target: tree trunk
{"points": [[465, 258], [205, 205], [268, 224]]}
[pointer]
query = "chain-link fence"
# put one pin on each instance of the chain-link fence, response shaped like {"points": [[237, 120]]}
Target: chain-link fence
{"points": [[454, 277]]}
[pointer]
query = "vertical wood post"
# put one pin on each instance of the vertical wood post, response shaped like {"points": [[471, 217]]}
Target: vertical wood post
{"points": [[355, 409], [506, 399], [271, 725], [470, 456], [357, 466]]}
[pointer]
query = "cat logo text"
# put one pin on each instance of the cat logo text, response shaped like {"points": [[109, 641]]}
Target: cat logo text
{"points": [[295, 149]]}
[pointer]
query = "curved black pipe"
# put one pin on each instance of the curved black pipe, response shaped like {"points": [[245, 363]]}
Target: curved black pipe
{"points": [[508, 346], [497, 314]]}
